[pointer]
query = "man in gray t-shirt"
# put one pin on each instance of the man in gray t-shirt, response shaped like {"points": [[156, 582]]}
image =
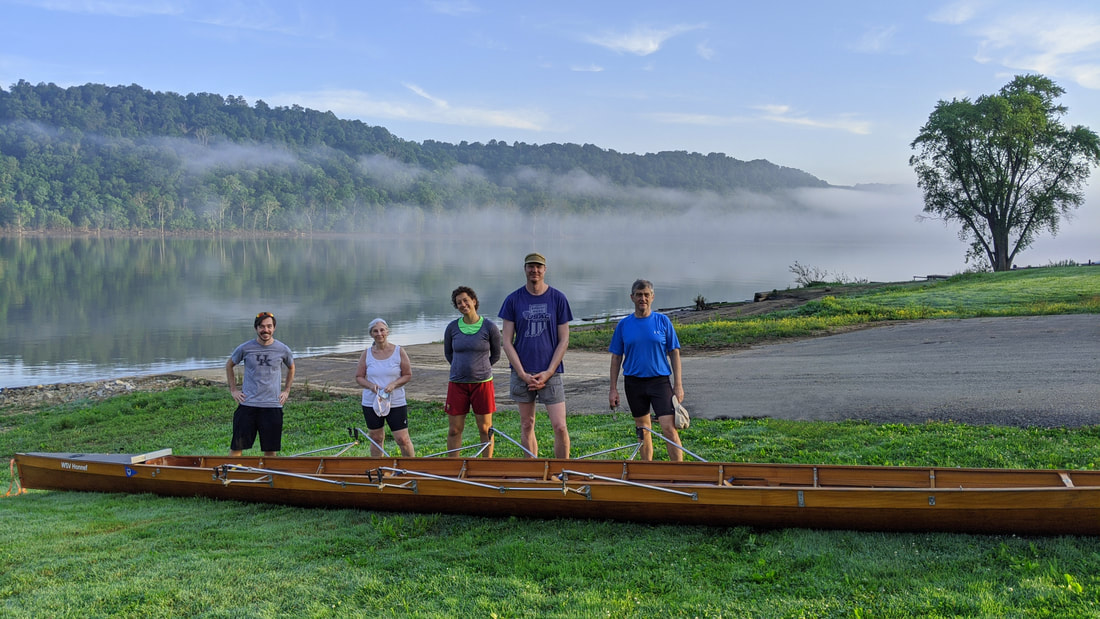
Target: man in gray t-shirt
{"points": [[259, 400]]}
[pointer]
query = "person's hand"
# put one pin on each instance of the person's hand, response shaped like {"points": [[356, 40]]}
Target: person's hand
{"points": [[613, 398], [283, 395], [538, 380], [679, 393], [237, 394]]}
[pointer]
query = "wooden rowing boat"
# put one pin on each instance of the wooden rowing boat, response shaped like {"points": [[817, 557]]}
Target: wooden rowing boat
{"points": [[873, 498]]}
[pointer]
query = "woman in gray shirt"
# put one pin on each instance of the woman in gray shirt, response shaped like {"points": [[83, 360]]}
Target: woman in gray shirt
{"points": [[471, 345]]}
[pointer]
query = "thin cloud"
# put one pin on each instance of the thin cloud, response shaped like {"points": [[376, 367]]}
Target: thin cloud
{"points": [[957, 13], [1062, 45], [359, 104], [1043, 40], [705, 51], [642, 41], [770, 113], [435, 100], [876, 40], [115, 8], [453, 8], [782, 114], [592, 68]]}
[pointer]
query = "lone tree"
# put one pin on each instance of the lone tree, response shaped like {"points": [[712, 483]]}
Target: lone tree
{"points": [[1004, 166]]}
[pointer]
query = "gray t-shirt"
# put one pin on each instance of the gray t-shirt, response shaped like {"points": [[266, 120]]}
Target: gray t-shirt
{"points": [[471, 356], [262, 374]]}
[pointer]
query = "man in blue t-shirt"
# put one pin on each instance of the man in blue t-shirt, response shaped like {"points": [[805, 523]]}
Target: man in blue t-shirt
{"points": [[259, 401], [645, 347], [535, 337]]}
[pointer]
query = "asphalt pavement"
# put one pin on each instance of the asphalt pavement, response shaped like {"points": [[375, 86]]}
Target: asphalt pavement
{"points": [[1021, 371]]}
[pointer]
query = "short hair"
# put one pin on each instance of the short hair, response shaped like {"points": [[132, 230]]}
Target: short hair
{"points": [[640, 284], [469, 291], [260, 318]]}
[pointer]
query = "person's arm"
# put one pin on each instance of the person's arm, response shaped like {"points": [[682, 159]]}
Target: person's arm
{"points": [[286, 385], [677, 375], [507, 334], [448, 345], [231, 380], [613, 394], [494, 343]]}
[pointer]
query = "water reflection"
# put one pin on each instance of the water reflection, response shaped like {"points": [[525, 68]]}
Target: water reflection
{"points": [[77, 309]]}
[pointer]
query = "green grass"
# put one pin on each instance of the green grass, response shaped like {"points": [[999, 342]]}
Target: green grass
{"points": [[1024, 292], [72, 554]]}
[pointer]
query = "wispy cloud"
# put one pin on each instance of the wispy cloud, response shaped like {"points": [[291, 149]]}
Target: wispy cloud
{"points": [[1056, 43], [642, 41], [115, 8], [437, 110], [770, 113], [453, 7], [782, 114], [958, 12], [876, 40], [590, 68], [705, 51]]}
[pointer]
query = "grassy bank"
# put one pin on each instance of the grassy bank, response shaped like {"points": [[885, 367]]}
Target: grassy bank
{"points": [[68, 554], [1025, 292], [79, 554]]}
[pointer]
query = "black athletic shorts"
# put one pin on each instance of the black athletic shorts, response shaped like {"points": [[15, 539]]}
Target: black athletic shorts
{"points": [[248, 421]]}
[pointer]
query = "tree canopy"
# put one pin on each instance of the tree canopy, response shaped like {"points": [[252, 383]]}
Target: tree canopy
{"points": [[123, 157], [1004, 166]]}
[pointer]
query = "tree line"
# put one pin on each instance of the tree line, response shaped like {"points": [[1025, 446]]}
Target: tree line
{"points": [[99, 157]]}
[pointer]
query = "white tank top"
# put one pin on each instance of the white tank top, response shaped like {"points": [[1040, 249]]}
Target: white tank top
{"points": [[382, 372]]}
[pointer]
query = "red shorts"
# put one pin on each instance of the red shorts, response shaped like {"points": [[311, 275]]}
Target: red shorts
{"points": [[461, 397]]}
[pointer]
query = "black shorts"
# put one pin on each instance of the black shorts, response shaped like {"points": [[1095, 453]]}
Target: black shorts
{"points": [[398, 419], [251, 420], [641, 393]]}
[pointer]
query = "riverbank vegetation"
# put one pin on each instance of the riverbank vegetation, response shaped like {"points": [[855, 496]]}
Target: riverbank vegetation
{"points": [[1023, 292], [72, 554], [97, 157]]}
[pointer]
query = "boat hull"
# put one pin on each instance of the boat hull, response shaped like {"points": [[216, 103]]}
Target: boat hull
{"points": [[1044, 502]]}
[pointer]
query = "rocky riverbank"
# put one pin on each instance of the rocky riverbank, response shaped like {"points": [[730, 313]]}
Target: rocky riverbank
{"points": [[44, 395]]}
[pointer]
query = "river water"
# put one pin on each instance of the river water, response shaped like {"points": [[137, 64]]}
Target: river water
{"points": [[86, 308]]}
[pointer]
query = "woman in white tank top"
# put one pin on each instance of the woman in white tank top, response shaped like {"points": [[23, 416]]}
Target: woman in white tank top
{"points": [[383, 371]]}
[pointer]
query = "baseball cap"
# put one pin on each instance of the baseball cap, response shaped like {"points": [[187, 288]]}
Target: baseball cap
{"points": [[536, 258]]}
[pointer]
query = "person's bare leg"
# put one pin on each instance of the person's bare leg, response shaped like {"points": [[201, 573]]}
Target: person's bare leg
{"points": [[454, 431], [484, 425], [404, 442], [527, 428], [379, 438], [646, 437], [668, 428], [556, 412]]}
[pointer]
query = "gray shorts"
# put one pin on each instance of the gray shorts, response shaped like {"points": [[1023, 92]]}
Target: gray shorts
{"points": [[552, 393]]}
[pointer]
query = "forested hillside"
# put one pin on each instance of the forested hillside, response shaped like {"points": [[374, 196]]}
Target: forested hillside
{"points": [[126, 158]]}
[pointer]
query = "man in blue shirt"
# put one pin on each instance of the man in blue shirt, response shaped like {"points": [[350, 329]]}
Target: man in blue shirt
{"points": [[646, 349]]}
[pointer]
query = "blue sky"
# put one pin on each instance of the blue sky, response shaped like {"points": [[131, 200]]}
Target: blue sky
{"points": [[838, 89]]}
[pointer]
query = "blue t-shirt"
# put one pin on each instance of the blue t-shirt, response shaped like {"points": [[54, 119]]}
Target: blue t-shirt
{"points": [[644, 344], [262, 374], [536, 319]]}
